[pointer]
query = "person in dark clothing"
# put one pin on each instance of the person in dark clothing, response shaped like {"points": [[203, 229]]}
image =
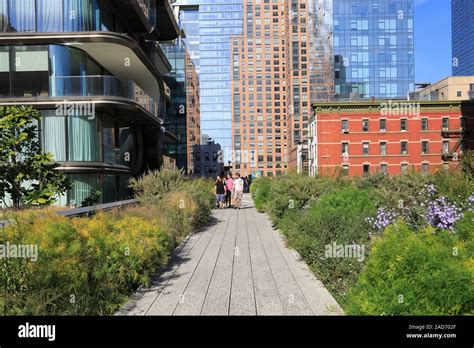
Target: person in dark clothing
{"points": [[220, 192], [246, 184]]}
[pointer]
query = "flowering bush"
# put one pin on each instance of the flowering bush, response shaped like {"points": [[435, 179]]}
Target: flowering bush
{"points": [[384, 218], [426, 207], [470, 202], [443, 214]]}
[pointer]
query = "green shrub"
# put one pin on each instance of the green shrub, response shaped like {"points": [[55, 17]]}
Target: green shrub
{"points": [[260, 190], [338, 217], [418, 273], [294, 191], [85, 266], [149, 188]]}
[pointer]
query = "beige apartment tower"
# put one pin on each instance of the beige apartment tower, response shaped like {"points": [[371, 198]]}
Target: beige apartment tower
{"points": [[280, 64]]}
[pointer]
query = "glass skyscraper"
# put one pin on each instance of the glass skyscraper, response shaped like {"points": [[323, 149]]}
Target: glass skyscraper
{"points": [[373, 48], [463, 37], [209, 26], [101, 93]]}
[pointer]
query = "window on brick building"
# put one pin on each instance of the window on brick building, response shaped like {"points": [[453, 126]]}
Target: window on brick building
{"points": [[365, 125], [445, 147], [384, 168], [424, 124], [404, 168], [366, 168], [344, 148], [344, 125], [425, 167], [383, 148], [365, 148], [445, 123], [424, 147], [345, 169], [403, 124], [404, 147], [383, 125]]}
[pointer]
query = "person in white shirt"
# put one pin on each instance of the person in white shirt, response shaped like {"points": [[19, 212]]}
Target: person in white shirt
{"points": [[238, 190]]}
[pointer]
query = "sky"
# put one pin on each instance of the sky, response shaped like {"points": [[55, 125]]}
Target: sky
{"points": [[432, 40]]}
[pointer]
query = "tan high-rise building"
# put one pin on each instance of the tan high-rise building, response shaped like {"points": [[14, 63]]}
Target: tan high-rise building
{"points": [[281, 63], [259, 111], [193, 111]]}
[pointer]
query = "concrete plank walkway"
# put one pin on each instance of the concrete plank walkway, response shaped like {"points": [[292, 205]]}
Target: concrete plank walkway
{"points": [[237, 265]]}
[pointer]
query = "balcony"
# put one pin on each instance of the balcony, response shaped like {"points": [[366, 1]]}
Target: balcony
{"points": [[452, 133], [101, 86]]}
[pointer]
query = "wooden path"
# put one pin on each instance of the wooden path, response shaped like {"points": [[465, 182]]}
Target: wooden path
{"points": [[238, 265]]}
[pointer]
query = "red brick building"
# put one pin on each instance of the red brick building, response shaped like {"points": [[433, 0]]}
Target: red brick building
{"points": [[388, 136]]}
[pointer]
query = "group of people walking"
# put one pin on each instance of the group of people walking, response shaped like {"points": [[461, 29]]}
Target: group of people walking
{"points": [[230, 189]]}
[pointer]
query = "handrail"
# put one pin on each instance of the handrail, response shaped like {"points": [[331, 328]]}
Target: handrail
{"points": [[89, 211]]}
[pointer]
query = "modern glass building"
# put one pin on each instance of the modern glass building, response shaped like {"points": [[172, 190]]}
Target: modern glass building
{"points": [[462, 37], [209, 25], [374, 48], [183, 115], [100, 91]]}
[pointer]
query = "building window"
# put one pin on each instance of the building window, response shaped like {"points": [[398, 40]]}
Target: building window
{"points": [[345, 148], [345, 169], [384, 168], [365, 149], [383, 148], [404, 147], [424, 147], [365, 125], [403, 125], [459, 94], [424, 124], [383, 125], [404, 168], [366, 168], [344, 125], [445, 147], [445, 123], [425, 167]]}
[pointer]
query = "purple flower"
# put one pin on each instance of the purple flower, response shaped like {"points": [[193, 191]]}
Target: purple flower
{"points": [[443, 214], [470, 202], [383, 219], [431, 189]]}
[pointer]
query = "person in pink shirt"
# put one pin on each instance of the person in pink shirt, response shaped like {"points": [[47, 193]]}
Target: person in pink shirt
{"points": [[230, 189]]}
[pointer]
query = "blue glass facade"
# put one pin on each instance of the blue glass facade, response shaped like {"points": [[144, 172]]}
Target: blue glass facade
{"points": [[209, 25], [463, 37], [373, 48], [101, 123]]}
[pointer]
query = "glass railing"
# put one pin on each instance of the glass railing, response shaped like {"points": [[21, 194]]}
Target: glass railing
{"points": [[101, 85], [82, 86]]}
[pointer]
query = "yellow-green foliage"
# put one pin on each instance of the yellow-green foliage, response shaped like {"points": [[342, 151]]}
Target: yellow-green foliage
{"points": [[89, 266], [85, 266], [422, 273]]}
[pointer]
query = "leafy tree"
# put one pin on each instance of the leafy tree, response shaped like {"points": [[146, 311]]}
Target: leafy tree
{"points": [[467, 163], [27, 175]]}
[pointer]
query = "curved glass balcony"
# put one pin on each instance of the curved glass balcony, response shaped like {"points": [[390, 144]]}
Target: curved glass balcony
{"points": [[101, 85]]}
